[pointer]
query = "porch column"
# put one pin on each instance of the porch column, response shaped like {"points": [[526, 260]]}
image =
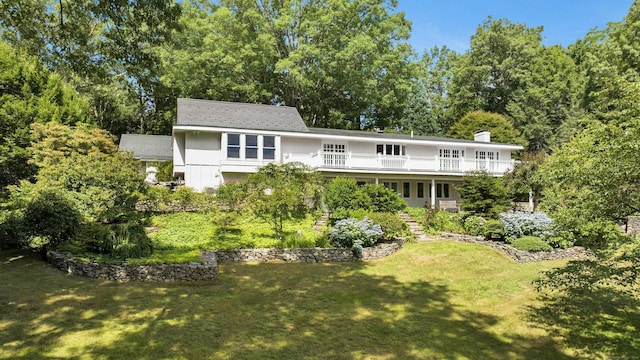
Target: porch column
{"points": [[433, 193], [376, 180]]}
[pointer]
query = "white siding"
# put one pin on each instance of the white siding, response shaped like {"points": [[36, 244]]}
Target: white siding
{"points": [[178, 149], [202, 148], [202, 177]]}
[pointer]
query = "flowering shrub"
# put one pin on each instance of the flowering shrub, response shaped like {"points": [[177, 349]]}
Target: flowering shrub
{"points": [[355, 234], [474, 225], [521, 224]]}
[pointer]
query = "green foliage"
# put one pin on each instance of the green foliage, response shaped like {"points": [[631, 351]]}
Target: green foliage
{"points": [[12, 228], [443, 221], [104, 182], [377, 198], [474, 225], [231, 196], [157, 199], [165, 170], [39, 215], [493, 230], [522, 179], [392, 225], [593, 182], [531, 243], [29, 93], [118, 241], [340, 193], [285, 53], [482, 194], [187, 199], [278, 192], [501, 129]]}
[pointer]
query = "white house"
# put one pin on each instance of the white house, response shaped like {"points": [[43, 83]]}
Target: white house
{"points": [[149, 149], [216, 142]]}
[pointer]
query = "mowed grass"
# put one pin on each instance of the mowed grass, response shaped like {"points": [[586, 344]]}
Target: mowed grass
{"points": [[439, 300]]}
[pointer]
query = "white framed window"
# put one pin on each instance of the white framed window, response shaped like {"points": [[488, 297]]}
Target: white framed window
{"points": [[251, 146], [391, 149], [487, 160], [420, 190], [233, 146], [334, 155], [450, 159], [442, 191], [406, 189]]}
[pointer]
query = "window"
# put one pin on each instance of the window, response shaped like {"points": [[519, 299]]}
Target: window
{"points": [[391, 185], [251, 147], [487, 160], [442, 191], [450, 159], [390, 149], [268, 147], [420, 190], [406, 189], [334, 154], [233, 146]]}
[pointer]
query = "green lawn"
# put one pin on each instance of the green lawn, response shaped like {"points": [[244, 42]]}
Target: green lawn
{"points": [[429, 300]]}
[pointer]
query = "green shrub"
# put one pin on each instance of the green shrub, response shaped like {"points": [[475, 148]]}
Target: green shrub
{"points": [[474, 225], [391, 224], [483, 194], [121, 241], [13, 232], [51, 216], [493, 230], [380, 199], [339, 194], [187, 199], [231, 196], [158, 198], [531, 243], [443, 221]]}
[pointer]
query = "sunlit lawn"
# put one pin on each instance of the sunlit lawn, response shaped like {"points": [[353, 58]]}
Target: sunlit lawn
{"points": [[429, 300]]}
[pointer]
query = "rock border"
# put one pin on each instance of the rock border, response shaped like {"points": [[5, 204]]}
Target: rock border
{"points": [[207, 269], [521, 256]]}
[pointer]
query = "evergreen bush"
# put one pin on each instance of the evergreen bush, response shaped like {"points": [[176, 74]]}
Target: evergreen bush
{"points": [[531, 243]]}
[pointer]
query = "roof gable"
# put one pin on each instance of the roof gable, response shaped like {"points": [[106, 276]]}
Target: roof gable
{"points": [[224, 114]]}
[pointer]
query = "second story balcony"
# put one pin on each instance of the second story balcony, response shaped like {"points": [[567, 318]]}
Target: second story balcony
{"points": [[401, 163]]}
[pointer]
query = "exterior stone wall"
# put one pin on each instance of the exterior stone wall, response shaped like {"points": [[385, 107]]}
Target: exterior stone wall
{"points": [[633, 225], [307, 255], [575, 252], [207, 270]]}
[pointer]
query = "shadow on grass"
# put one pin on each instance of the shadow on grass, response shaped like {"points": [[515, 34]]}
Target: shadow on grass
{"points": [[590, 310], [325, 311]]}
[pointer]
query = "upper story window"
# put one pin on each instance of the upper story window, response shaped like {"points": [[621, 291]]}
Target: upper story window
{"points": [[269, 147], [251, 147], [391, 149], [233, 146], [450, 159]]}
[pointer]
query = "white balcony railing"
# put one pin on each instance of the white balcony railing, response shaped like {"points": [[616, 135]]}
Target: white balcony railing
{"points": [[348, 160]]}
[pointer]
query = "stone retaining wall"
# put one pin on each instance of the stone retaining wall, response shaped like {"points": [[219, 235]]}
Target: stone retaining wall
{"points": [[575, 252], [307, 255], [208, 270], [633, 225]]}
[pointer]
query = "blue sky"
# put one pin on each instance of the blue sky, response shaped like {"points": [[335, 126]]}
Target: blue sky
{"points": [[452, 22]]}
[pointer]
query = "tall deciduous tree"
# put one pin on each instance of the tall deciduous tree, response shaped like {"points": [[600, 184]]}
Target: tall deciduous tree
{"points": [[29, 93], [593, 181], [425, 108], [501, 129], [97, 42], [340, 63]]}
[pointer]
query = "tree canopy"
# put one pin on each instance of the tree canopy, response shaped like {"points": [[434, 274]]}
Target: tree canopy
{"points": [[501, 129]]}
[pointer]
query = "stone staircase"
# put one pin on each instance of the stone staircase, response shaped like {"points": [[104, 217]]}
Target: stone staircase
{"points": [[320, 222], [416, 228]]}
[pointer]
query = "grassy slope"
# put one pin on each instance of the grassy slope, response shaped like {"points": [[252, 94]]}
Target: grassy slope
{"points": [[429, 300]]}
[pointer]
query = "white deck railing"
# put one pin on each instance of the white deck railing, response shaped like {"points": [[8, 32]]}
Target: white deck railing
{"points": [[348, 160]]}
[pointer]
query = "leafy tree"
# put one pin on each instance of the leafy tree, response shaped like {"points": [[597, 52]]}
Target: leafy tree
{"points": [[340, 193], [86, 163], [29, 93], [496, 65], [593, 181], [523, 179], [482, 194], [351, 74], [99, 44], [501, 129], [277, 192], [425, 108]]}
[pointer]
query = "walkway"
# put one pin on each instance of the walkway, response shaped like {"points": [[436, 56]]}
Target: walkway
{"points": [[416, 228]]}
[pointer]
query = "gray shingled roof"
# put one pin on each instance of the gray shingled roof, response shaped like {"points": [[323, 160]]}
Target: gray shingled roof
{"points": [[239, 115], [388, 135], [147, 147]]}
